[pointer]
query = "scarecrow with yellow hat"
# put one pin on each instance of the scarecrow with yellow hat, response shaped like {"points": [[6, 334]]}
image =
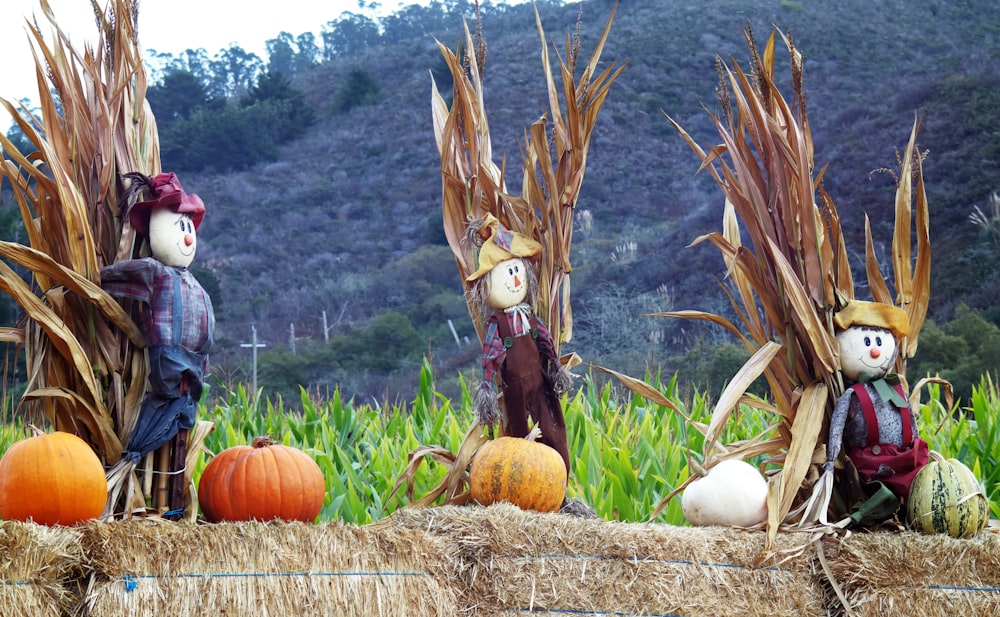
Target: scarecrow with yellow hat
{"points": [[177, 317], [873, 420], [517, 347]]}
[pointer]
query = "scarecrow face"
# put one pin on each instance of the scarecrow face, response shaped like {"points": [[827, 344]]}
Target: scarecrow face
{"points": [[866, 352], [508, 283], [172, 238]]}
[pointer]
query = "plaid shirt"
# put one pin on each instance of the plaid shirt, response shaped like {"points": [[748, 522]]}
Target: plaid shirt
{"points": [[177, 310], [494, 351]]}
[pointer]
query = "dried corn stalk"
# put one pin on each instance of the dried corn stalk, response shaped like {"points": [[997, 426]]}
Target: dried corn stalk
{"points": [[792, 274], [554, 156], [85, 355]]}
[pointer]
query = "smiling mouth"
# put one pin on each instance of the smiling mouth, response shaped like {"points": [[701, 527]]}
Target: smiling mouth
{"points": [[186, 253], [876, 365]]}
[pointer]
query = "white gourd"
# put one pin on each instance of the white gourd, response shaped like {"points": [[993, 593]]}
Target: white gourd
{"points": [[732, 492]]}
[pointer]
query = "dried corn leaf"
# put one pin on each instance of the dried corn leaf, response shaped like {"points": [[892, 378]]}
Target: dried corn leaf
{"points": [[84, 356], [734, 391]]}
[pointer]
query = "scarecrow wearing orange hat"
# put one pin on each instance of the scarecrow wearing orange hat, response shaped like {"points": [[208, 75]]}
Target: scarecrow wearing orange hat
{"points": [[177, 317], [517, 347], [873, 420]]}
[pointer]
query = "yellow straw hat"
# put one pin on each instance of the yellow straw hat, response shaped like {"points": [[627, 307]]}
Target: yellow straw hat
{"points": [[875, 314], [499, 245]]}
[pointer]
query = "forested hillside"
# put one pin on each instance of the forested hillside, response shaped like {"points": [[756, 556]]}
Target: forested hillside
{"points": [[320, 175]]}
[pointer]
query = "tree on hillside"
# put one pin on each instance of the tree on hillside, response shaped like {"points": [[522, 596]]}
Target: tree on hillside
{"points": [[308, 52], [348, 35], [360, 88], [234, 70], [281, 54], [274, 86], [178, 95]]}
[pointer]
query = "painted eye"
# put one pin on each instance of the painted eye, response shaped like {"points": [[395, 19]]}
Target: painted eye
{"points": [[878, 341], [868, 341], [517, 268], [510, 271]]}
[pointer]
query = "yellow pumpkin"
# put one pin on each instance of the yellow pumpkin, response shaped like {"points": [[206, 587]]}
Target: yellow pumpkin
{"points": [[526, 473], [946, 497]]}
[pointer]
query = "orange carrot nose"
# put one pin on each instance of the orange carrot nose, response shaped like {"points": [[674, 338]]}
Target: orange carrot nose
{"points": [[875, 352], [517, 281], [188, 239]]}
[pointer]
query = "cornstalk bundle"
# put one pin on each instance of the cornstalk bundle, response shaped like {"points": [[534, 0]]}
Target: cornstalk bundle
{"points": [[85, 355], [554, 155], [792, 275]]}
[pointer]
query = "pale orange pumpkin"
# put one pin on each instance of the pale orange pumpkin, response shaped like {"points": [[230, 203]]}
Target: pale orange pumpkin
{"points": [[52, 479], [262, 481], [526, 473]]}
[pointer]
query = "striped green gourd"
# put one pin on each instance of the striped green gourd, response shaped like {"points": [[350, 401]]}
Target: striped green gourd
{"points": [[946, 497]]}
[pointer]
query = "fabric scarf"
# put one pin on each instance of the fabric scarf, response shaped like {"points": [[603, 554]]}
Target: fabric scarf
{"points": [[521, 313]]}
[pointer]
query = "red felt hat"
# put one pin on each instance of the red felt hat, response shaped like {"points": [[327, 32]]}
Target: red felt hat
{"points": [[166, 192]]}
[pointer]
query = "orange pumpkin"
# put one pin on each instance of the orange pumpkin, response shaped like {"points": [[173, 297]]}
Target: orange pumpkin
{"points": [[52, 479], [528, 474], [262, 481]]}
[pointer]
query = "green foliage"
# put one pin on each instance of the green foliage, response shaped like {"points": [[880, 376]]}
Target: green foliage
{"points": [[275, 86], [709, 365], [177, 96], [381, 346], [628, 454], [199, 132], [233, 138], [359, 88], [970, 434], [961, 351]]}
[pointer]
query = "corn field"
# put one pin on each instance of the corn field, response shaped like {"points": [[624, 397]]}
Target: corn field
{"points": [[630, 453]]}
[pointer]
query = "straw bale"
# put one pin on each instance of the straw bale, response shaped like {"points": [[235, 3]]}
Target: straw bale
{"points": [[907, 573], [513, 560], [144, 567], [38, 569]]}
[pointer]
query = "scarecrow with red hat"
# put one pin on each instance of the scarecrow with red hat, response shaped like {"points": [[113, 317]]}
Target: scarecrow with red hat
{"points": [[176, 317], [873, 420], [517, 347]]}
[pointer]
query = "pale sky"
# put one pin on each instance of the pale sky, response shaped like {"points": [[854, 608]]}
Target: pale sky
{"points": [[169, 26]]}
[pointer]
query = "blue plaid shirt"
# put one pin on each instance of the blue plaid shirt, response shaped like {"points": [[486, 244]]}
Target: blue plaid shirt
{"points": [[176, 311]]}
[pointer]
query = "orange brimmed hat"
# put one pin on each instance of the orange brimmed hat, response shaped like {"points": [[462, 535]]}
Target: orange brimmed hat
{"points": [[500, 244], [166, 192], [875, 314]]}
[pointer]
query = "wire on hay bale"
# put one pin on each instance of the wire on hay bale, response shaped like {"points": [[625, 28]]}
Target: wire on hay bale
{"points": [[279, 569], [38, 568], [515, 560], [918, 575]]}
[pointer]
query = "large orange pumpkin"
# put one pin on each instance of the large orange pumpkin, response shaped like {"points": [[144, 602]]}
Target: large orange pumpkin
{"points": [[262, 481], [528, 474], [52, 479]]}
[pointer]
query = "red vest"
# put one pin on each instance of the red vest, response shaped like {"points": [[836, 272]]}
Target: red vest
{"points": [[905, 460]]}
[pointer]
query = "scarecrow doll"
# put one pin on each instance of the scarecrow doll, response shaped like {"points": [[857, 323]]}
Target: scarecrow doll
{"points": [[176, 317], [872, 420], [517, 347]]}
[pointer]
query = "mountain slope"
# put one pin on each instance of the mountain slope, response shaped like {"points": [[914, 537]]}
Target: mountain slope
{"points": [[347, 222]]}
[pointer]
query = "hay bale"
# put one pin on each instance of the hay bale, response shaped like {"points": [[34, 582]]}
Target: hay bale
{"points": [[144, 567], [908, 573], [511, 560], [38, 569]]}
